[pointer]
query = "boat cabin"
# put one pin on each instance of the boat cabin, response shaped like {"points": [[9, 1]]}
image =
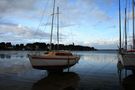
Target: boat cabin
{"points": [[60, 53]]}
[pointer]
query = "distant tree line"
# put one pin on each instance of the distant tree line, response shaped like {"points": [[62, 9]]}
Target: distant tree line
{"points": [[43, 46]]}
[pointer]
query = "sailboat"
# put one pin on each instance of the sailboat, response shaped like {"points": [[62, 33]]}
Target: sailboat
{"points": [[54, 60], [126, 57]]}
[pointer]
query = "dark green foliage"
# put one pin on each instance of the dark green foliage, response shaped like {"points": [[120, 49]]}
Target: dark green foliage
{"points": [[43, 46]]}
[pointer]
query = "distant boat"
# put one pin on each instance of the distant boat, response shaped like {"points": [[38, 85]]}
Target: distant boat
{"points": [[127, 56], [54, 60]]}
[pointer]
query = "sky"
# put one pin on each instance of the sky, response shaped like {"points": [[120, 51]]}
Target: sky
{"points": [[82, 22]]}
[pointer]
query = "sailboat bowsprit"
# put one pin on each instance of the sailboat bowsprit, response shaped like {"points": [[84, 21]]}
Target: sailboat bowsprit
{"points": [[54, 60]]}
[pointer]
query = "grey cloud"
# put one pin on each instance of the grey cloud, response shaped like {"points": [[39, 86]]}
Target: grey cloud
{"points": [[13, 5], [19, 8], [71, 13], [12, 31], [8, 24], [17, 33], [82, 11]]}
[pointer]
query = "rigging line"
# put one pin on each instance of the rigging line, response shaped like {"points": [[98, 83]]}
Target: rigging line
{"points": [[47, 19], [42, 17], [45, 25]]}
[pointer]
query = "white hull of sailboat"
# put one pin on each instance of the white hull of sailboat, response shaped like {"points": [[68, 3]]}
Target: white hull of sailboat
{"points": [[52, 62]]}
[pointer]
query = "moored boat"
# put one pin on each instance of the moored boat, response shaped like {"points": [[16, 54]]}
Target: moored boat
{"points": [[54, 60], [127, 56]]}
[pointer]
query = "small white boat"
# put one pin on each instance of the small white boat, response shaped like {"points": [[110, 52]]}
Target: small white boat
{"points": [[54, 60]]}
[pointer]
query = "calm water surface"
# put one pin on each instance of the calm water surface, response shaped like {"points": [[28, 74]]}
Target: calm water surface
{"points": [[96, 70]]}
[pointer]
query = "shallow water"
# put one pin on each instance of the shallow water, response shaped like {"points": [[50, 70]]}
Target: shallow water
{"points": [[96, 70]]}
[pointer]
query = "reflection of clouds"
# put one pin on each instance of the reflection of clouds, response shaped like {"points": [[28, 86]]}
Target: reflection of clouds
{"points": [[101, 58], [97, 62], [12, 55], [13, 61], [2, 56], [129, 82], [59, 81]]}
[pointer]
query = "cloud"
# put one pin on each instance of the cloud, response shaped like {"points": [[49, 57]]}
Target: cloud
{"points": [[18, 33], [106, 44], [76, 13], [81, 11], [16, 5], [7, 23], [101, 43], [18, 8], [71, 12], [15, 32]]}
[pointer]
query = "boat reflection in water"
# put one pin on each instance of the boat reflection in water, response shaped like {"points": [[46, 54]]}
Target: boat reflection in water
{"points": [[128, 82], [58, 81]]}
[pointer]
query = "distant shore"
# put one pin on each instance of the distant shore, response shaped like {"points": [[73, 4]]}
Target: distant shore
{"points": [[39, 46], [107, 49]]}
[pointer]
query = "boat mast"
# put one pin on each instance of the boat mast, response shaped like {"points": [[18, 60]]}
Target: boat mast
{"points": [[126, 26], [57, 28], [119, 26], [133, 24], [52, 26]]}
